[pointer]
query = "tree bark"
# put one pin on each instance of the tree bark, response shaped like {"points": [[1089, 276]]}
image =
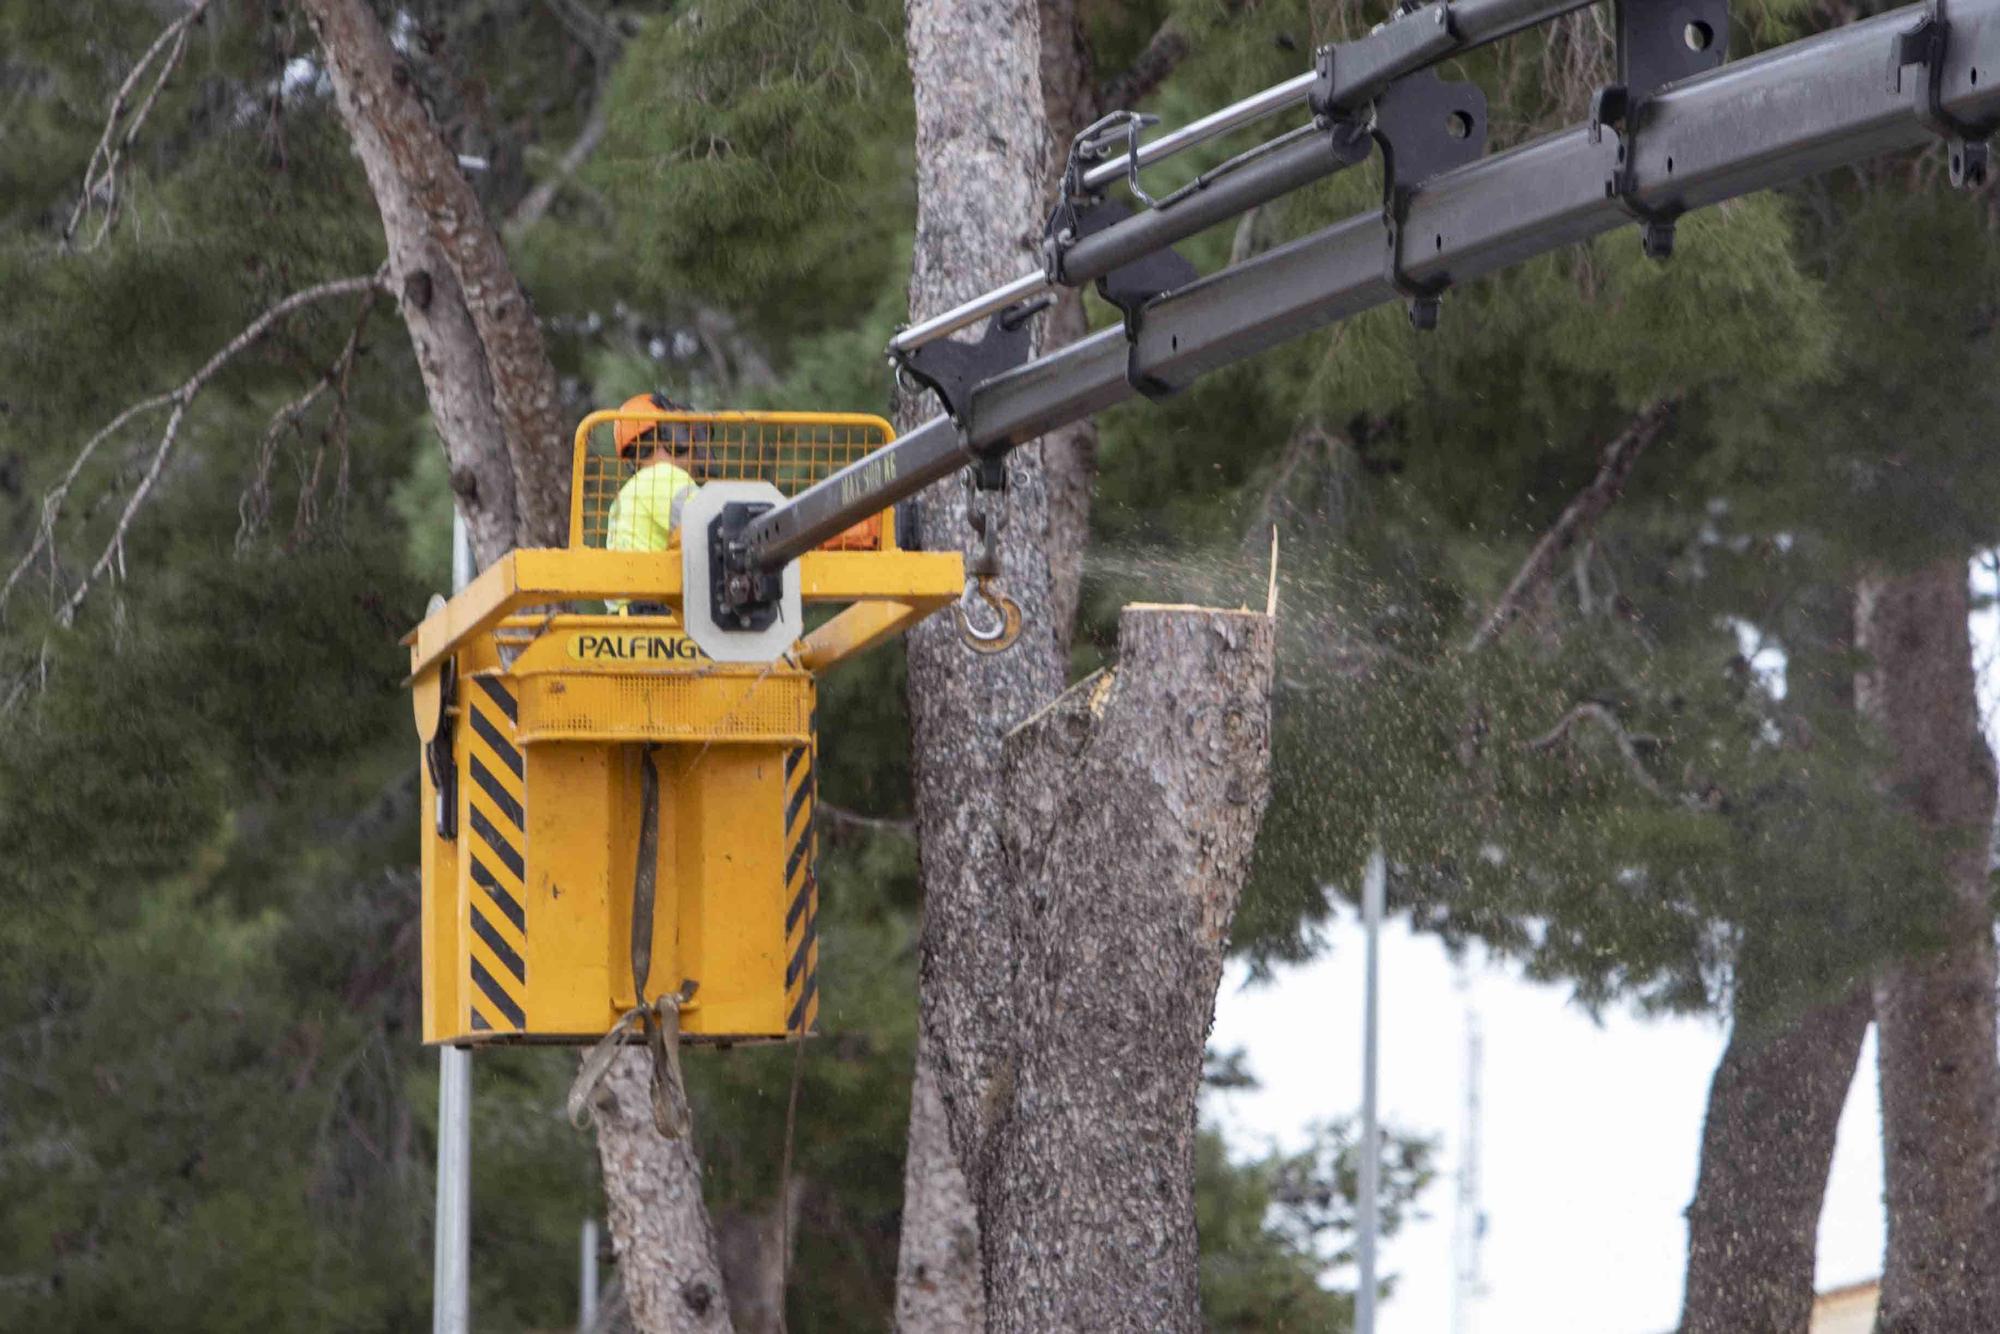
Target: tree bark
{"points": [[1132, 805], [1085, 1221], [1069, 454], [981, 153], [491, 387], [938, 1289], [1766, 1149], [752, 1245], [1774, 1106], [493, 398], [1935, 1011], [667, 1259]]}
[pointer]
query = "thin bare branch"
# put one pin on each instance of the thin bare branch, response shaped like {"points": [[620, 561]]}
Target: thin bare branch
{"points": [[604, 43], [905, 828], [100, 175], [179, 398], [1577, 520], [536, 203], [253, 508], [1163, 53], [1593, 712], [52, 502], [591, 30]]}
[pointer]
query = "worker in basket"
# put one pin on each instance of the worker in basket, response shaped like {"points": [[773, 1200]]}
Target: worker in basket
{"points": [[647, 512]]}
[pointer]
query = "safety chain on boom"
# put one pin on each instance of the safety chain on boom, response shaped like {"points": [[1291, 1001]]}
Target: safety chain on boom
{"points": [[1926, 45], [1659, 42], [1083, 210]]}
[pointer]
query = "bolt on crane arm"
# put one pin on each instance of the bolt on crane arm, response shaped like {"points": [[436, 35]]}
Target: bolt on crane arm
{"points": [[1823, 101]]}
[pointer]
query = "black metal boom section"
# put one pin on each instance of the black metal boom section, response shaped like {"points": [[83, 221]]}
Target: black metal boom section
{"points": [[1679, 131]]}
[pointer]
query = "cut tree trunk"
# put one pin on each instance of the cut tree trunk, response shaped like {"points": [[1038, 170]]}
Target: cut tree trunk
{"points": [[1132, 805], [493, 399], [1075, 1144], [1766, 1149], [1934, 1011]]}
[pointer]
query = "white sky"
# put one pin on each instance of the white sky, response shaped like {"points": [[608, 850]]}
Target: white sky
{"points": [[1591, 1133], [1590, 1140]]}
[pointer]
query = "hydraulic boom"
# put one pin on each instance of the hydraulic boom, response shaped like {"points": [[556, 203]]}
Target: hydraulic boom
{"points": [[1649, 154]]}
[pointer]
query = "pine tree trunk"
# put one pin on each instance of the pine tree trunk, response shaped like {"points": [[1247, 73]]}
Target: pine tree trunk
{"points": [[1070, 957], [1766, 1149], [1774, 1106], [1132, 805], [492, 395], [1069, 453], [980, 158], [938, 1289], [1935, 1010], [491, 387], [938, 1285], [667, 1259]]}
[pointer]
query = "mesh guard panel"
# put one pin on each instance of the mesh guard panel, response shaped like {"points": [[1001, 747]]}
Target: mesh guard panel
{"points": [[792, 451]]}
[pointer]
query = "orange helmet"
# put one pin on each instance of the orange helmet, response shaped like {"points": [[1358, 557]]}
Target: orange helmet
{"points": [[629, 435]]}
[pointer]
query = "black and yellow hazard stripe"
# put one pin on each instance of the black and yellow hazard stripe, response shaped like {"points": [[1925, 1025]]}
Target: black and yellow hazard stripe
{"points": [[496, 793], [801, 887]]}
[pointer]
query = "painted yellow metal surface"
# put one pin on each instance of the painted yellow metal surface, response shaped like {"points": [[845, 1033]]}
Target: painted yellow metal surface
{"points": [[551, 710], [541, 576]]}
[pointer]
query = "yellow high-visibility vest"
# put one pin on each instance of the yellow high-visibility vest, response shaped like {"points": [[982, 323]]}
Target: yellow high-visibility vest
{"points": [[648, 508]]}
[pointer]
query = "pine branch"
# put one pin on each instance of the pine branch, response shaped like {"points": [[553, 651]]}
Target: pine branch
{"points": [[1578, 518], [100, 175], [53, 501], [604, 44], [1590, 711], [179, 398], [1163, 53]]}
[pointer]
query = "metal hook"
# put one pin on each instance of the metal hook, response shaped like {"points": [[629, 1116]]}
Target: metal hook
{"points": [[1094, 143], [1002, 636]]}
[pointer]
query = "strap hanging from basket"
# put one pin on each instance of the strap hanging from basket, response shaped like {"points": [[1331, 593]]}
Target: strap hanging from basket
{"points": [[660, 1019]]}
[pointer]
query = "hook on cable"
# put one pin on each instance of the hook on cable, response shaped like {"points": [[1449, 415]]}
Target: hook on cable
{"points": [[984, 570], [1002, 636]]}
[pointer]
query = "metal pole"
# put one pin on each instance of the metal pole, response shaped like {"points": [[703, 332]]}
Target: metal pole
{"points": [[1468, 1215], [1372, 893], [451, 1263], [586, 1319]]}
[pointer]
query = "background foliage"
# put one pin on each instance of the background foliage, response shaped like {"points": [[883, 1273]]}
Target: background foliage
{"points": [[216, 1112]]}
